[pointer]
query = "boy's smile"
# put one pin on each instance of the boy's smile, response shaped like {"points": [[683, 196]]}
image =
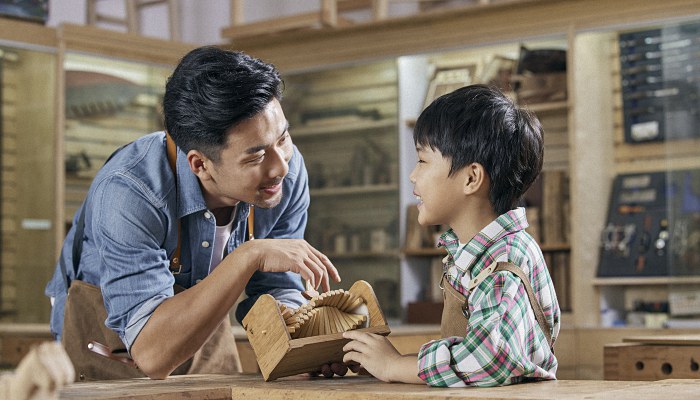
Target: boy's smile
{"points": [[439, 195]]}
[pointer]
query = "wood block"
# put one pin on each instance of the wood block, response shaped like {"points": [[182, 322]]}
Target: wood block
{"points": [[279, 355], [640, 362]]}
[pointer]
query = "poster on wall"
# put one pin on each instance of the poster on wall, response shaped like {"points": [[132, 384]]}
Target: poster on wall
{"points": [[32, 10]]}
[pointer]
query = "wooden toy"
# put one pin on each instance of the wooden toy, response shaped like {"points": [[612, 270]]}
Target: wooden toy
{"points": [[293, 341]]}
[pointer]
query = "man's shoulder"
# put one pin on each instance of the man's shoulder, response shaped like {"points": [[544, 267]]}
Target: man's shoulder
{"points": [[140, 166]]}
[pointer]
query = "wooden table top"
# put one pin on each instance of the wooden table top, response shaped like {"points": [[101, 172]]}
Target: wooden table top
{"points": [[673, 340], [195, 387]]}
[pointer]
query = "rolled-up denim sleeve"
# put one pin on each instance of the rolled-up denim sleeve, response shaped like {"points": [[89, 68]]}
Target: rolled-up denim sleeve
{"points": [[129, 231]]}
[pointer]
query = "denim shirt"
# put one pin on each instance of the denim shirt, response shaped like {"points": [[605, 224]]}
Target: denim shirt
{"points": [[131, 215]]}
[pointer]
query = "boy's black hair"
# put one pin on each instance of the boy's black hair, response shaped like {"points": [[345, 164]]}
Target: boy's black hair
{"points": [[478, 123], [211, 91]]}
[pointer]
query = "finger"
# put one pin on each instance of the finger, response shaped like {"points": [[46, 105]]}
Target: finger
{"points": [[326, 262], [316, 270], [326, 371], [339, 369], [353, 358], [306, 273], [356, 346], [357, 335]]}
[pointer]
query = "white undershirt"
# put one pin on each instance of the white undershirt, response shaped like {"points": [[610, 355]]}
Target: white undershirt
{"points": [[221, 236]]}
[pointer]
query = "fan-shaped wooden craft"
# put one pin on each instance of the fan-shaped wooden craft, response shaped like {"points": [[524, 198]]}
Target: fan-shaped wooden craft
{"points": [[329, 312], [290, 341]]}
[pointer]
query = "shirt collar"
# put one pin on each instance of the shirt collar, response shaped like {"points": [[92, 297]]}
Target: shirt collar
{"points": [[465, 257], [189, 193]]}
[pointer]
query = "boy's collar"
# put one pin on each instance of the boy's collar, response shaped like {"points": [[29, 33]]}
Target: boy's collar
{"points": [[465, 256]]}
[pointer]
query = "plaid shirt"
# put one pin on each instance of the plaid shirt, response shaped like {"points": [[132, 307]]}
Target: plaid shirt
{"points": [[503, 343]]}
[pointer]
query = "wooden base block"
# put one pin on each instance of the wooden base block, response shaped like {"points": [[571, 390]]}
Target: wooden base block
{"points": [[279, 355], [643, 362]]}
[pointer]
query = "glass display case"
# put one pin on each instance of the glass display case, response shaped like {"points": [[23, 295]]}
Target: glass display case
{"points": [[649, 264], [108, 103], [27, 184], [344, 122]]}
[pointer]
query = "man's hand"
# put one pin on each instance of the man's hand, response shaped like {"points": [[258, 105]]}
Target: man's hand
{"points": [[295, 255], [379, 357], [330, 370]]}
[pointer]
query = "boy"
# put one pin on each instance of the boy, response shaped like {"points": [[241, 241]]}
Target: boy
{"points": [[478, 154]]}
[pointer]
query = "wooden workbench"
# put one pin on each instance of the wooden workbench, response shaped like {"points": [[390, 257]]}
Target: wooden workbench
{"points": [[196, 387]]}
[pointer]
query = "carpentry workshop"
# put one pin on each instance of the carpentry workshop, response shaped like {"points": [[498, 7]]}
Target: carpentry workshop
{"points": [[349, 199]]}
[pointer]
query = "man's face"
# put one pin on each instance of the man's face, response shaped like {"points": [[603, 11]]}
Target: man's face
{"points": [[439, 195], [253, 164]]}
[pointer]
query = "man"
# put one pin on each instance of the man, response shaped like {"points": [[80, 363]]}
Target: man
{"points": [[222, 111]]}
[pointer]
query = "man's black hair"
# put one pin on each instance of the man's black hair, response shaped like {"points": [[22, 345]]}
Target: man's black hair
{"points": [[211, 91], [479, 124]]}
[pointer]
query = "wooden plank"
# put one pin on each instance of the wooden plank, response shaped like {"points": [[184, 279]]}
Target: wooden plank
{"points": [[26, 32], [198, 387], [678, 340], [279, 24], [418, 34], [129, 46]]}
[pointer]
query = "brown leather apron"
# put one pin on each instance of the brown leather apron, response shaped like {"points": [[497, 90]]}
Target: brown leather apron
{"points": [[84, 316], [83, 322], [455, 312]]}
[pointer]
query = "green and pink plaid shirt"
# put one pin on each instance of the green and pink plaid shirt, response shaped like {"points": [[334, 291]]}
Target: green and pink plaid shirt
{"points": [[503, 343]]}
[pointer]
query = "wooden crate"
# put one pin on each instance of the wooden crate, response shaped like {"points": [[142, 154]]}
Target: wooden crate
{"points": [[279, 355], [653, 358]]}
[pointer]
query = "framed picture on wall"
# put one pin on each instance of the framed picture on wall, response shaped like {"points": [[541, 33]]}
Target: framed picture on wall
{"points": [[447, 79]]}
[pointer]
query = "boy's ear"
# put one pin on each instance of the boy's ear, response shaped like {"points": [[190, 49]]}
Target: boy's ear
{"points": [[198, 164], [474, 178]]}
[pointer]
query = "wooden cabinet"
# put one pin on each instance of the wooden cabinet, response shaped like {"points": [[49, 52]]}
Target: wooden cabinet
{"points": [[28, 74], [344, 122], [57, 130], [113, 85], [108, 103]]}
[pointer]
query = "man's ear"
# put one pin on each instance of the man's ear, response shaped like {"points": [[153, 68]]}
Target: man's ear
{"points": [[475, 178], [199, 164]]}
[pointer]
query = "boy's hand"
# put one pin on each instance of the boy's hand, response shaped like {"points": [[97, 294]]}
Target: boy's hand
{"points": [[374, 353]]}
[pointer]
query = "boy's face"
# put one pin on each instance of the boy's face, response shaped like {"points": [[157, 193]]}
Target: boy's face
{"points": [[253, 164], [439, 195]]}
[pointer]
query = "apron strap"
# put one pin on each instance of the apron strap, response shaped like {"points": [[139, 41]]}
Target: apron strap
{"points": [[171, 150], [536, 307], [462, 300]]}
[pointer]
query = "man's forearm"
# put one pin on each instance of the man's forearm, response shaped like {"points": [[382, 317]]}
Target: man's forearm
{"points": [[181, 324]]}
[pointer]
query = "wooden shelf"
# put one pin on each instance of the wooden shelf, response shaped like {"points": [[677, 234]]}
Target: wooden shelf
{"points": [[333, 129], [364, 254], [426, 252], [555, 247], [354, 190], [550, 107], [646, 280], [539, 108], [439, 251]]}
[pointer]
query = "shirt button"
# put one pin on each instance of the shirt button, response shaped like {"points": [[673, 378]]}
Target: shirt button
{"points": [[205, 244], [207, 215]]}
